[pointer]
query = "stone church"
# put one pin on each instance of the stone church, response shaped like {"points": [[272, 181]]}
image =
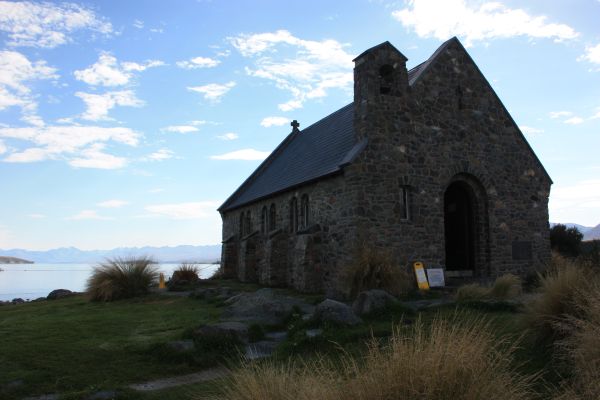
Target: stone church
{"points": [[425, 163]]}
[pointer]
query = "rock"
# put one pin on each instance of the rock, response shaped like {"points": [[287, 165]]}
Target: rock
{"points": [[311, 333], [263, 306], [276, 336], [337, 312], [371, 300], [38, 299], [18, 300], [262, 349], [238, 330], [103, 395], [181, 346], [59, 294]]}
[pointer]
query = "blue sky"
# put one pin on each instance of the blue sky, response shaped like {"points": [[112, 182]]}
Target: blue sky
{"points": [[127, 123]]}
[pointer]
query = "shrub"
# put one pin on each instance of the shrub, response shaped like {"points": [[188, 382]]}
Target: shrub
{"points": [[565, 240], [121, 278], [375, 269], [560, 291], [186, 272], [458, 358], [505, 287]]}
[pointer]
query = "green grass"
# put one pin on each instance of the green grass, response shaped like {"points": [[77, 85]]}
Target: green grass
{"points": [[73, 345]]}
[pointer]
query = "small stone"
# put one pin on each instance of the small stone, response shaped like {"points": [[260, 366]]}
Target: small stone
{"points": [[59, 294], [337, 312], [371, 300], [262, 349]]}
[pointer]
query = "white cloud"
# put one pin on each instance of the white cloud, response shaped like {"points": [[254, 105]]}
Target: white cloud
{"points": [[244, 154], [36, 216], [213, 91], [577, 202], [574, 121], [45, 24], [228, 136], [560, 114], [98, 105], [274, 121], [192, 210], [198, 62], [16, 71], [592, 54], [107, 71], [181, 128], [199, 122], [477, 21], [138, 24], [88, 214], [306, 69], [3, 148], [81, 145], [160, 155], [530, 131], [112, 203], [95, 157]]}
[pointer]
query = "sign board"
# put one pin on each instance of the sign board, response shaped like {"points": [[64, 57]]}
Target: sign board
{"points": [[420, 275], [435, 276]]}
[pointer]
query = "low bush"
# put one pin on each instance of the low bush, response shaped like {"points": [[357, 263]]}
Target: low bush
{"points": [[459, 358], [376, 269], [185, 277], [121, 278], [505, 287], [561, 293]]}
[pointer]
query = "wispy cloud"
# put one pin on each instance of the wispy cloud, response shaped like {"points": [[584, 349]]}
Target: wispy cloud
{"points": [[160, 155], [306, 69], [574, 121], [228, 136], [36, 216], [107, 71], [592, 54], [112, 203], [213, 91], [274, 121], [198, 62], [191, 210], [244, 154], [138, 24], [560, 114], [3, 148], [46, 24], [528, 130], [98, 105], [95, 157], [88, 214], [477, 21], [180, 128]]}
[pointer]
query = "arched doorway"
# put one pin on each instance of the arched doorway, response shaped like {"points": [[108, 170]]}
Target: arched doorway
{"points": [[460, 230]]}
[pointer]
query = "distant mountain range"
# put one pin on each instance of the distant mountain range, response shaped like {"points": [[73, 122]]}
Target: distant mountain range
{"points": [[589, 232], [176, 254]]}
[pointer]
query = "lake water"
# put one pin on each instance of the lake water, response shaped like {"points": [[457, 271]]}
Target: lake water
{"points": [[30, 281]]}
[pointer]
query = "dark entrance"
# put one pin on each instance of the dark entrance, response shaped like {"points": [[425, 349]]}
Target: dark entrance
{"points": [[459, 227]]}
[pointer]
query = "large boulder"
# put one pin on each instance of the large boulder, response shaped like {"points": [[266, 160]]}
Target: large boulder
{"points": [[234, 329], [59, 294], [264, 306], [337, 312], [370, 301]]}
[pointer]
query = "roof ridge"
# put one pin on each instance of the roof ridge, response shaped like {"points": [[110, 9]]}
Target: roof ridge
{"points": [[425, 64]]}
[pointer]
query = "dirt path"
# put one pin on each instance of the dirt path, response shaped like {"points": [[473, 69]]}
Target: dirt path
{"points": [[203, 376]]}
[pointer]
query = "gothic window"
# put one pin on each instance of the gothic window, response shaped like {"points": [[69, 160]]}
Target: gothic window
{"points": [[242, 231], [264, 220], [248, 223], [404, 203], [294, 215], [304, 212], [272, 218], [386, 76]]}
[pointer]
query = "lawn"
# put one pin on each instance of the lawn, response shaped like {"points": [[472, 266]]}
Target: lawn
{"points": [[72, 345]]}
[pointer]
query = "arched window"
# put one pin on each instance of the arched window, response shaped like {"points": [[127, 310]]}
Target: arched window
{"points": [[294, 215], [304, 211], [386, 77], [272, 218], [242, 231], [248, 223], [263, 220]]}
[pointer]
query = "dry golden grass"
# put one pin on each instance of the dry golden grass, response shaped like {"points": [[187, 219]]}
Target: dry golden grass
{"points": [[458, 358], [186, 272], [376, 269], [562, 291], [121, 278], [505, 287]]}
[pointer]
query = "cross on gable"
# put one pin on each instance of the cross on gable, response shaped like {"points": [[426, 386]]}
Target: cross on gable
{"points": [[295, 124]]}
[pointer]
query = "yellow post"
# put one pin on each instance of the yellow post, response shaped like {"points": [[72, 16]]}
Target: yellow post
{"points": [[420, 275], [161, 281]]}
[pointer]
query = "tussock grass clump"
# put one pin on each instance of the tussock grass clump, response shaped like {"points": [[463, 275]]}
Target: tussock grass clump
{"points": [[562, 293], [186, 272], [456, 358], [376, 269], [505, 287], [121, 278]]}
